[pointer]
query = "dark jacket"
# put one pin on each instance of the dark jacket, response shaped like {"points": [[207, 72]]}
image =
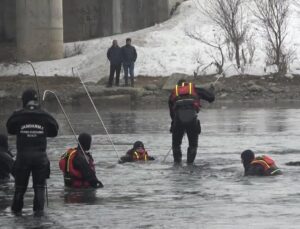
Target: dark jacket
{"points": [[202, 94], [114, 54], [32, 126], [129, 54], [6, 163], [81, 164]]}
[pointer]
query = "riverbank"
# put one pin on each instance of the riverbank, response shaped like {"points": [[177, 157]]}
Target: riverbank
{"points": [[153, 92]]}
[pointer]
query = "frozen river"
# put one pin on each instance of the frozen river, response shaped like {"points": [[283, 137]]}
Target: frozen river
{"points": [[211, 194]]}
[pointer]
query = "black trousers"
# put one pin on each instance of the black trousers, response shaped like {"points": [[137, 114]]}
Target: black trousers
{"points": [[39, 167], [114, 68], [192, 129]]}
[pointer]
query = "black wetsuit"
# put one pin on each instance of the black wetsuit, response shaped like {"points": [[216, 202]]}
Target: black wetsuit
{"points": [[32, 126], [184, 120]]}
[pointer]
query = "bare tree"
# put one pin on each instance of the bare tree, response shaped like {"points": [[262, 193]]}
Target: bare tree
{"points": [[217, 43], [228, 15], [249, 48], [273, 16]]}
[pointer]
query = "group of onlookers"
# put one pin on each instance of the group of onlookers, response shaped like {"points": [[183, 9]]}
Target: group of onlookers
{"points": [[119, 56]]}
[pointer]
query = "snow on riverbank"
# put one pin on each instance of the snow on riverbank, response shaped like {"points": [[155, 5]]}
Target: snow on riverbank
{"points": [[162, 50]]}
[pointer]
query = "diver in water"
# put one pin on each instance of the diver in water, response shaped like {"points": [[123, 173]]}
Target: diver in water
{"points": [[184, 105], [6, 158], [32, 126], [259, 166], [137, 153], [78, 167]]}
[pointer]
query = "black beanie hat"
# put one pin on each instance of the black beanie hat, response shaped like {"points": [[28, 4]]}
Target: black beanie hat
{"points": [[247, 156], [85, 141], [29, 95], [138, 144], [3, 142]]}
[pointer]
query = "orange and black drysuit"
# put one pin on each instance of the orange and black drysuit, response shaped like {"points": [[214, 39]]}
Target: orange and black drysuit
{"points": [[137, 153], [184, 104], [262, 166], [78, 173]]}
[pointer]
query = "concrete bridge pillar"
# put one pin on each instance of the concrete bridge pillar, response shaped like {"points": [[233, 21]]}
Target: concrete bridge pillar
{"points": [[117, 16], [39, 30]]}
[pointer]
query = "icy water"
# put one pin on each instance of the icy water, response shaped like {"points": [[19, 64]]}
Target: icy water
{"points": [[211, 194]]}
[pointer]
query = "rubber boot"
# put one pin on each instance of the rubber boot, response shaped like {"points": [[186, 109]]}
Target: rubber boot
{"points": [[191, 155], [126, 81], [177, 155], [132, 81], [18, 200], [39, 200]]}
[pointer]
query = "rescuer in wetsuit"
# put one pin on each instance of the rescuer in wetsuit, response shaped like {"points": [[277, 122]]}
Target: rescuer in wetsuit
{"points": [[259, 166], [137, 153], [6, 158], [32, 126], [78, 167], [184, 105]]}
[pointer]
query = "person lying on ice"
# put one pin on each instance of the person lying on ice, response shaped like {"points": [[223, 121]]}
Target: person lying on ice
{"points": [[259, 166], [78, 167], [137, 153], [6, 158]]}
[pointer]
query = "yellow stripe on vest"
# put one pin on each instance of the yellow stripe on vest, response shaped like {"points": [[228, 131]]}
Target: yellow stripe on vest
{"points": [[68, 162], [137, 155], [261, 161]]}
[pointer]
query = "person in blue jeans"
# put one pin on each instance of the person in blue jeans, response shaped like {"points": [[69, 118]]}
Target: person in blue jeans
{"points": [[129, 57]]}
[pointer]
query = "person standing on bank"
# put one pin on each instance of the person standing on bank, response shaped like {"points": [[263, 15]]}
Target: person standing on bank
{"points": [[32, 126], [129, 57], [184, 105], [114, 55]]}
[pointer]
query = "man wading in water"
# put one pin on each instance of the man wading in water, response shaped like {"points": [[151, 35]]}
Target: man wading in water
{"points": [[32, 126], [184, 105], [78, 167]]}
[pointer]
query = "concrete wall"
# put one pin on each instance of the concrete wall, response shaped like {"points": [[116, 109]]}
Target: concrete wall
{"points": [[96, 18], [82, 19], [138, 14], [86, 19], [7, 20], [39, 30]]}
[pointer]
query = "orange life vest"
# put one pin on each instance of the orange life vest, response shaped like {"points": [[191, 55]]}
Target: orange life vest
{"points": [[267, 163], [186, 91], [140, 155], [72, 176]]}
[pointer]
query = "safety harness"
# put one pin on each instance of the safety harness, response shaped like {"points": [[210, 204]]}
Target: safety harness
{"points": [[140, 155], [186, 92]]}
